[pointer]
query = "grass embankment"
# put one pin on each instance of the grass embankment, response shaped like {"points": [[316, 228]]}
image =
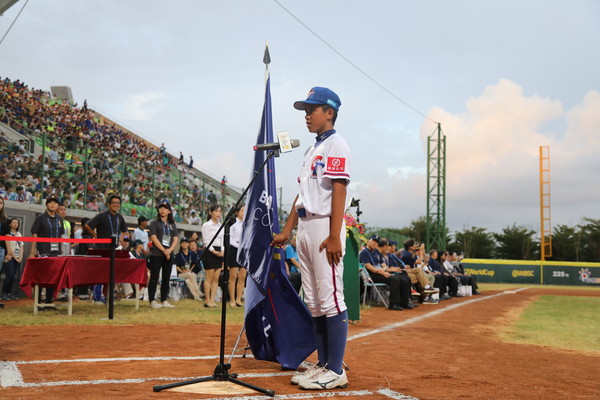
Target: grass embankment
{"points": [[565, 322], [86, 313]]}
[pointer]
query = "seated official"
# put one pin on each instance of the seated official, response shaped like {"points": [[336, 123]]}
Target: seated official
{"points": [[414, 270], [185, 262], [459, 272], [399, 284], [442, 279], [448, 269]]}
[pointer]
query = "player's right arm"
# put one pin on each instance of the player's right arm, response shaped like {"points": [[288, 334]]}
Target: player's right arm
{"points": [[279, 239]]}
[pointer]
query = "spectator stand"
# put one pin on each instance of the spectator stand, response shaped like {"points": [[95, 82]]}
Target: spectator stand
{"points": [[78, 154]]}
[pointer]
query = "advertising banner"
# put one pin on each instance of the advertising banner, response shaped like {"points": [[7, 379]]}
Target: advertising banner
{"points": [[550, 272], [503, 271]]}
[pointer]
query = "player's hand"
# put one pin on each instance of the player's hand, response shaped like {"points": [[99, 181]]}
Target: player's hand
{"points": [[333, 247], [279, 239]]}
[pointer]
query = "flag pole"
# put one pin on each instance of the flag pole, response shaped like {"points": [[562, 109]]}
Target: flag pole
{"points": [[221, 372]]}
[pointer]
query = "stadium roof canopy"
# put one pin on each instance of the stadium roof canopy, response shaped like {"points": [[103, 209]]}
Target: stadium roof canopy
{"points": [[5, 5]]}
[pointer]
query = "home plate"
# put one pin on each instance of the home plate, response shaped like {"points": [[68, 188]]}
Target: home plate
{"points": [[213, 387]]}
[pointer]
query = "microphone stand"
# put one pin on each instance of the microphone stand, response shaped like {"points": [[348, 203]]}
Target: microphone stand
{"points": [[221, 372]]}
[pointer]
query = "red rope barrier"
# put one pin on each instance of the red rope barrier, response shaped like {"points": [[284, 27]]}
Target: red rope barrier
{"points": [[52, 240]]}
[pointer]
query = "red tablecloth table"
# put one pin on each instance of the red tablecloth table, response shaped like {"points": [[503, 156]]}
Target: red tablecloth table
{"points": [[68, 272]]}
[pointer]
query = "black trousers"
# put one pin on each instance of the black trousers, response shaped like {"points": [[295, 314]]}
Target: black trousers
{"points": [[441, 281], [469, 280], [158, 263], [453, 285], [399, 287]]}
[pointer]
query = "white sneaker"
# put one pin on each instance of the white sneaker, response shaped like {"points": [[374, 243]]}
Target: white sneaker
{"points": [[155, 304], [309, 372], [166, 304], [327, 379]]}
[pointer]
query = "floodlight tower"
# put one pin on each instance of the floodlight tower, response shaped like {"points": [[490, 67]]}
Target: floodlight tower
{"points": [[545, 222], [435, 229]]}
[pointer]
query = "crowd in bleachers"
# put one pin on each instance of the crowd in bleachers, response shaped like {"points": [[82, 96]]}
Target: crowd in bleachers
{"points": [[117, 160]]}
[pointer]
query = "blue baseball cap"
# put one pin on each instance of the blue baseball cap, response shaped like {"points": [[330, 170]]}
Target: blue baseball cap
{"points": [[320, 95]]}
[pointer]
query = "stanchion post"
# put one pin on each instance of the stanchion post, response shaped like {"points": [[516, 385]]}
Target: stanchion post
{"points": [[111, 283]]}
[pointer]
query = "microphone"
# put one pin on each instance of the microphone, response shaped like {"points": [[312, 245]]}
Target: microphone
{"points": [[285, 144], [276, 145]]}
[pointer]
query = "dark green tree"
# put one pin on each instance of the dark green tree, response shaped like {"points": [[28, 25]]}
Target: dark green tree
{"points": [[416, 229], [590, 240], [516, 243], [474, 243], [565, 243]]}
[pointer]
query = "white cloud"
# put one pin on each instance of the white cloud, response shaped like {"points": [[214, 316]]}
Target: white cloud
{"points": [[143, 106], [493, 158]]}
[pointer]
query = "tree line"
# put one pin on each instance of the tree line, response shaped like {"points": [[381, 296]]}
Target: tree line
{"points": [[517, 242]]}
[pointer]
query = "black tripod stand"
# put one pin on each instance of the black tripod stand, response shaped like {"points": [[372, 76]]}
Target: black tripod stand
{"points": [[221, 372]]}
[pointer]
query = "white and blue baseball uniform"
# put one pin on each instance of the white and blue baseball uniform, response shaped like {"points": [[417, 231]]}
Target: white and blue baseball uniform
{"points": [[328, 159]]}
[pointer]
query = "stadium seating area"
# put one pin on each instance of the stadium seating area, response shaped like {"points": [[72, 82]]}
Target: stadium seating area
{"points": [[81, 156]]}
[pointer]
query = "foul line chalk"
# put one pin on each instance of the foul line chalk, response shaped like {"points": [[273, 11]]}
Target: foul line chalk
{"points": [[309, 395], [425, 316], [395, 395], [93, 360]]}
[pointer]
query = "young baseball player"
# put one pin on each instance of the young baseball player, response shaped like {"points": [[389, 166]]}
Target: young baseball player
{"points": [[318, 211]]}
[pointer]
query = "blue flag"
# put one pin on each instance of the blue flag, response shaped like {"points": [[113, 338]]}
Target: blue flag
{"points": [[278, 324]]}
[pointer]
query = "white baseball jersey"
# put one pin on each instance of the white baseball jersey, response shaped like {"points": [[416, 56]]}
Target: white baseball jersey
{"points": [[326, 160]]}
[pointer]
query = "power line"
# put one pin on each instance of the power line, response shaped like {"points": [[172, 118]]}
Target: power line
{"points": [[352, 64], [15, 20]]}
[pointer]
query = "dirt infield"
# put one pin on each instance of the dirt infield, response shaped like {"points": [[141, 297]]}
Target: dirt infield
{"points": [[448, 351]]}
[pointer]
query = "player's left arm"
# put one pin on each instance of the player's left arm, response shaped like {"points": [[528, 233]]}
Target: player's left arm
{"points": [[333, 243]]}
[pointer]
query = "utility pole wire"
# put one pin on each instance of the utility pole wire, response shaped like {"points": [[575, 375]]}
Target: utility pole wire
{"points": [[352, 64], [15, 20]]}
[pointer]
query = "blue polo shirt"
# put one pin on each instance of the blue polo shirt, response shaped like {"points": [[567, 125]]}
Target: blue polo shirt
{"points": [[407, 258], [373, 257]]}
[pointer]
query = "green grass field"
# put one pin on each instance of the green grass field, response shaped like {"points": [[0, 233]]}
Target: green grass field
{"points": [[565, 322], [87, 313]]}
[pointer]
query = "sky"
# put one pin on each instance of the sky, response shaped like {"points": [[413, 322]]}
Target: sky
{"points": [[501, 77]]}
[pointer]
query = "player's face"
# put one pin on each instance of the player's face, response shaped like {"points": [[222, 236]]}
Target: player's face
{"points": [[317, 120]]}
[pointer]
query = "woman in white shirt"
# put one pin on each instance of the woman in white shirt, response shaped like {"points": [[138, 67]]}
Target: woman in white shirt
{"points": [[14, 256], [236, 271], [213, 261]]}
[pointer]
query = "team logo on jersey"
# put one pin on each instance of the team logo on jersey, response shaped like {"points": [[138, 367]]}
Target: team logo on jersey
{"points": [[336, 164], [317, 162]]}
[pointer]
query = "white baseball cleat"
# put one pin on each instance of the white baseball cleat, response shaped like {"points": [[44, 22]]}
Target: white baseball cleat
{"points": [[309, 372], [326, 379]]}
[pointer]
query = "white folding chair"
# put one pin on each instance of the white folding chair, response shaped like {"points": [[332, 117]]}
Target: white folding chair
{"points": [[375, 287]]}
